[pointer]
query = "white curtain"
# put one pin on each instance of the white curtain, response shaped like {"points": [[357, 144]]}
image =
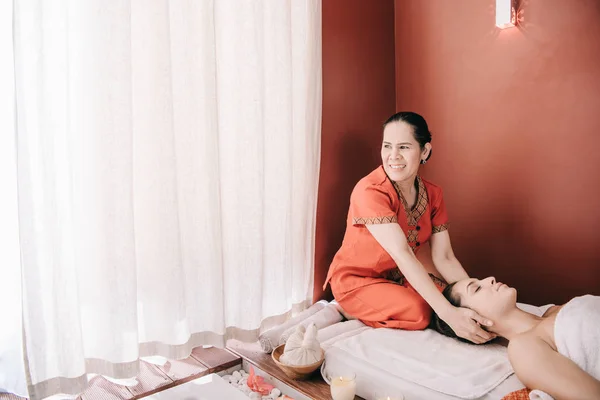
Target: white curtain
{"points": [[167, 165], [12, 368]]}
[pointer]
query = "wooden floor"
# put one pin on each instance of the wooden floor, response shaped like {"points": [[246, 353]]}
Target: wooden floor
{"points": [[314, 387], [203, 361], [154, 378]]}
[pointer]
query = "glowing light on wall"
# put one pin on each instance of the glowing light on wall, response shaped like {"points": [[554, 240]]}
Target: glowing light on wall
{"points": [[505, 14]]}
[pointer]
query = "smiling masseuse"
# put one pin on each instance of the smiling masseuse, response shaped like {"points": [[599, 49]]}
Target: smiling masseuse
{"points": [[375, 275]]}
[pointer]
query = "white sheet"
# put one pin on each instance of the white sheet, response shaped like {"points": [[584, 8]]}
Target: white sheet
{"points": [[432, 360], [372, 380], [374, 357]]}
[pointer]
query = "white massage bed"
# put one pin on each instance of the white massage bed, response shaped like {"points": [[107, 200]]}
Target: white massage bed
{"points": [[373, 379], [375, 356], [421, 365]]}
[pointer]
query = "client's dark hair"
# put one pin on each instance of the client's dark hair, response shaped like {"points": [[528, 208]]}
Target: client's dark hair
{"points": [[439, 324]]}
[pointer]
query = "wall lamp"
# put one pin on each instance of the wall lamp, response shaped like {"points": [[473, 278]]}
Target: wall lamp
{"points": [[506, 16]]}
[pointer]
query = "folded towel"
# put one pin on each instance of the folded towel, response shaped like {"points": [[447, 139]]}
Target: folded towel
{"points": [[342, 330], [329, 315], [576, 332], [272, 338], [338, 329]]}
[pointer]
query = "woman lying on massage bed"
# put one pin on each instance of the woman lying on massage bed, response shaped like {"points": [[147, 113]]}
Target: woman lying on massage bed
{"points": [[558, 353]]}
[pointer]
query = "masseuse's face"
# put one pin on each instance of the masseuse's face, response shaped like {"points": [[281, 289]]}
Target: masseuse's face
{"points": [[401, 154], [487, 297]]}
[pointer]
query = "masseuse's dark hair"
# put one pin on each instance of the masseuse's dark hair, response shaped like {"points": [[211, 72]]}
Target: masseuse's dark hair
{"points": [[418, 123], [439, 324]]}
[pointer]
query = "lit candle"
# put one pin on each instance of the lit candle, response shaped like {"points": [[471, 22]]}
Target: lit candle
{"points": [[343, 388], [397, 397]]}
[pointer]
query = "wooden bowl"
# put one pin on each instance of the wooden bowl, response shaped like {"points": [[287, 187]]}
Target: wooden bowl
{"points": [[293, 371]]}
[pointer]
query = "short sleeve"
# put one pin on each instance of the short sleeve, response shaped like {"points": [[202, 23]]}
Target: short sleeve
{"points": [[371, 205], [439, 215]]}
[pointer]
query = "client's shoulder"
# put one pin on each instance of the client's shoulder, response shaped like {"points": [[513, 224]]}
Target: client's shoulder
{"points": [[524, 343], [528, 354], [541, 336]]}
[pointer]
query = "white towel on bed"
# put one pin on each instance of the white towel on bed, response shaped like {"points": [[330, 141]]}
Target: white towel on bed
{"points": [[335, 330], [431, 360], [577, 333], [330, 335], [271, 338]]}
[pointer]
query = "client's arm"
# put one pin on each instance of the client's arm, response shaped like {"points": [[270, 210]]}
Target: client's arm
{"points": [[538, 366], [444, 259]]}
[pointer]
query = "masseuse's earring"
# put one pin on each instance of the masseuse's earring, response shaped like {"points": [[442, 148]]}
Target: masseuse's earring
{"points": [[423, 161]]}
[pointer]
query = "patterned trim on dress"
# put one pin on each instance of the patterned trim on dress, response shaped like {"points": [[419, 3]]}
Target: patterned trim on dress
{"points": [[438, 282], [394, 275], [439, 228], [413, 215], [412, 236], [375, 220]]}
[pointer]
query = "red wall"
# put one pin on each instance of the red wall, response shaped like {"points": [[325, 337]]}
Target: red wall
{"points": [[515, 116], [358, 95]]}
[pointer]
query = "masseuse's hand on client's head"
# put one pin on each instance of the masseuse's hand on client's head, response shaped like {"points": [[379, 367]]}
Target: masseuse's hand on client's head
{"points": [[467, 324]]}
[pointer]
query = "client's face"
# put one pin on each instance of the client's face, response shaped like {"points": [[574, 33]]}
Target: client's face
{"points": [[487, 297]]}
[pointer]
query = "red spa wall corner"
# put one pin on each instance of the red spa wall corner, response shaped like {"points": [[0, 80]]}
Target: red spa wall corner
{"points": [[515, 116], [358, 95]]}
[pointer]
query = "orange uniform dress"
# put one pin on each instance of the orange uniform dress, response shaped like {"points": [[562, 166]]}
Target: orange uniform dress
{"points": [[364, 278]]}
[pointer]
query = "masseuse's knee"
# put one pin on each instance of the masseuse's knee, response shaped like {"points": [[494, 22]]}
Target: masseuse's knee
{"points": [[420, 314]]}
